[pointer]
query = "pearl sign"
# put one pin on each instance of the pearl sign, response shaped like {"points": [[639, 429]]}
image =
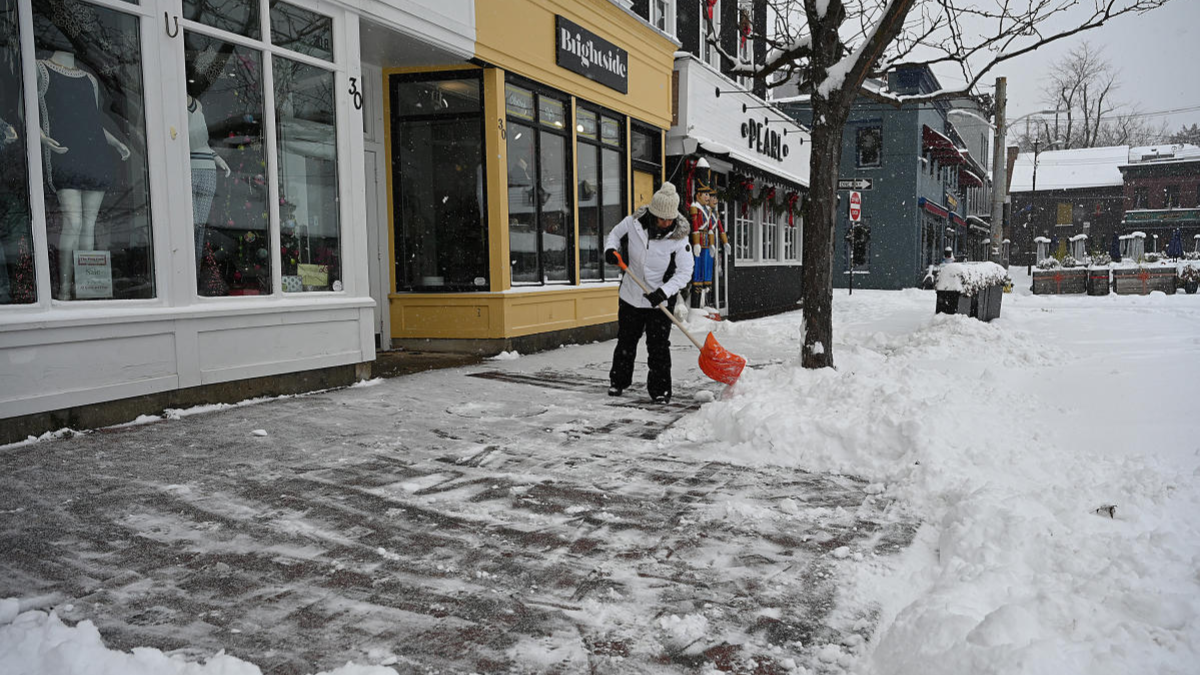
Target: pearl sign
{"points": [[764, 140]]}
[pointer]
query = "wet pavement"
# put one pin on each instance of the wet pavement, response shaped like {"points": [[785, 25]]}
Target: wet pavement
{"points": [[502, 517]]}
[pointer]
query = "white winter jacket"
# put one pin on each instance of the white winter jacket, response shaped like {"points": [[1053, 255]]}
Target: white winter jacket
{"points": [[650, 259]]}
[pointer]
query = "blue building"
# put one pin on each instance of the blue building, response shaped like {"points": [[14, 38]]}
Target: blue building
{"points": [[922, 175]]}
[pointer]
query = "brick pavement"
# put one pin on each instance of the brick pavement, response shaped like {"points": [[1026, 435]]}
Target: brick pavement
{"points": [[481, 519]]}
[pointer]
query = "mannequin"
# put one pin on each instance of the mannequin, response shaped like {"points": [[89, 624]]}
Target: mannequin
{"points": [[205, 162], [77, 162]]}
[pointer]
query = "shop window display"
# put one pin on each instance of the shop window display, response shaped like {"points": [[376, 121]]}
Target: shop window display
{"points": [[228, 167], [306, 135], [93, 134], [240, 17], [600, 194], [540, 204], [18, 284], [440, 219]]}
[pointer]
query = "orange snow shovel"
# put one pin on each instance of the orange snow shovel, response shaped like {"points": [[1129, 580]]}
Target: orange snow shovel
{"points": [[718, 363]]}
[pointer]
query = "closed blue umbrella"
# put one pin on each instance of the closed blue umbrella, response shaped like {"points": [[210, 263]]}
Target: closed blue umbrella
{"points": [[1114, 249], [1175, 248]]}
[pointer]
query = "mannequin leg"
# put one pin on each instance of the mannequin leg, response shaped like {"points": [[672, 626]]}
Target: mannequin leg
{"points": [[79, 209], [92, 199], [70, 209]]}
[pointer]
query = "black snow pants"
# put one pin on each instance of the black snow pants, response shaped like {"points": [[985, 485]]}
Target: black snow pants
{"points": [[631, 323]]}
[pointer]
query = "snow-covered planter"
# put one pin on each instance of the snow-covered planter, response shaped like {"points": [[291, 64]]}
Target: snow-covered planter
{"points": [[1048, 264], [975, 289], [1061, 280], [1098, 280], [1143, 279], [1189, 276]]}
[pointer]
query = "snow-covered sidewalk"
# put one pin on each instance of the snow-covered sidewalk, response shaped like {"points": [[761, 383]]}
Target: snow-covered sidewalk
{"points": [[938, 503]]}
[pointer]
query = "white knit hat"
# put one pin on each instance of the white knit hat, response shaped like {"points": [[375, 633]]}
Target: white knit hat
{"points": [[665, 202]]}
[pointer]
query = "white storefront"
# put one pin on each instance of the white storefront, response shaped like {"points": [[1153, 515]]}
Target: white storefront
{"points": [[191, 188], [759, 160]]}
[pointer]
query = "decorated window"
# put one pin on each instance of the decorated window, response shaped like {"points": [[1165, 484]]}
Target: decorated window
{"points": [[237, 186], [540, 194], [601, 173], [91, 103]]}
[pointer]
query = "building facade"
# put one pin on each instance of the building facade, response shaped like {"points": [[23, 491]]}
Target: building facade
{"points": [[1162, 194], [1061, 194], [207, 201], [921, 175], [726, 135]]}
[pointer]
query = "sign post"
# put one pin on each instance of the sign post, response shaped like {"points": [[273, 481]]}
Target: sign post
{"points": [[855, 217]]}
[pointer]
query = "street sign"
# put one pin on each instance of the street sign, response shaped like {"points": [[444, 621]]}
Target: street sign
{"points": [[855, 206], [854, 183]]}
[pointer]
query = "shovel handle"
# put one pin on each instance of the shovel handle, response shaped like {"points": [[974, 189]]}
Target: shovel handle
{"points": [[670, 315]]}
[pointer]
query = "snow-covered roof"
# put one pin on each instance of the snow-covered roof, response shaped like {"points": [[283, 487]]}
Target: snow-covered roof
{"points": [[1164, 153], [1070, 169]]}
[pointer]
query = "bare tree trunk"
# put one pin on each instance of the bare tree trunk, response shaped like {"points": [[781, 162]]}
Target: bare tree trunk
{"points": [[820, 224]]}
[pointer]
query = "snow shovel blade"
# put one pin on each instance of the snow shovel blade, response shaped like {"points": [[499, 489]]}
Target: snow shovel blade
{"points": [[719, 363]]}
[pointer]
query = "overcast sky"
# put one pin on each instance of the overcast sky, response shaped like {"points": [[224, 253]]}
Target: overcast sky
{"points": [[1156, 54]]}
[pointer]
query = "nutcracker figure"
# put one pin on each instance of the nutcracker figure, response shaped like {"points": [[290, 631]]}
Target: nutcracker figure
{"points": [[707, 233]]}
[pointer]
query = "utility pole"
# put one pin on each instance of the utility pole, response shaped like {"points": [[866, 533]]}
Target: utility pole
{"points": [[1035, 157], [999, 170]]}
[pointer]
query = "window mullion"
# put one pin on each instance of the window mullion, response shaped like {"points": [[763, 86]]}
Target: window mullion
{"points": [[271, 141], [33, 147]]}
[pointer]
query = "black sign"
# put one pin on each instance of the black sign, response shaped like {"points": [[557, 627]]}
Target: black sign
{"points": [[582, 51], [763, 140], [854, 183]]}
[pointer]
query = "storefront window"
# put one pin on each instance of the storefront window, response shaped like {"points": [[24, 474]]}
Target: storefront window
{"points": [[540, 206], [601, 193], [228, 174], [301, 31], [770, 232], [590, 244], [240, 17], [791, 239], [91, 99], [441, 221], [306, 137], [743, 232], [17, 276]]}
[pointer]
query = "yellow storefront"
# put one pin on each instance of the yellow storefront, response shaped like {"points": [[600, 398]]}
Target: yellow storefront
{"points": [[506, 173]]}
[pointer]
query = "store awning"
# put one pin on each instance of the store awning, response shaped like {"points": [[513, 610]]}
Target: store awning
{"points": [[939, 146], [968, 178], [933, 207]]}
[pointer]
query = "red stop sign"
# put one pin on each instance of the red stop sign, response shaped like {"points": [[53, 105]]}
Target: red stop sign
{"points": [[855, 206]]}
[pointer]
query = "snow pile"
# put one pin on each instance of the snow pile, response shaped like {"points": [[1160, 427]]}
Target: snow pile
{"points": [[1005, 448], [970, 277], [34, 643]]}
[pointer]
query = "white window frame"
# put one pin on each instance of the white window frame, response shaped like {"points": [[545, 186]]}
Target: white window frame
{"points": [[709, 53], [346, 175], [745, 52], [768, 235], [663, 11], [791, 241], [743, 235], [156, 161], [171, 233], [752, 233]]}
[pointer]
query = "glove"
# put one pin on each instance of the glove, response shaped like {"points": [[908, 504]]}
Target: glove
{"points": [[728, 250], [610, 256], [656, 297]]}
